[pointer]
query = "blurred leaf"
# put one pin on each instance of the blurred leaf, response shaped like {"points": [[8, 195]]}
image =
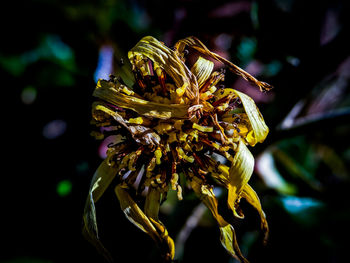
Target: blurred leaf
{"points": [[267, 169], [305, 210], [333, 160], [297, 169], [246, 50]]}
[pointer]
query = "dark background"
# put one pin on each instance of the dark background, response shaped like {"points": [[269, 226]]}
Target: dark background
{"points": [[49, 54]]}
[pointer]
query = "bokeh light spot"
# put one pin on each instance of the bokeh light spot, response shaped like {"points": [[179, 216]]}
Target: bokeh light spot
{"points": [[54, 129], [294, 204], [28, 95], [105, 63], [64, 188], [82, 167]]}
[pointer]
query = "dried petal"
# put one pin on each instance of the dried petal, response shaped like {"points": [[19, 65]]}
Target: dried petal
{"points": [[100, 181], [201, 48], [228, 236], [240, 172], [181, 119], [134, 214], [202, 69], [167, 59], [252, 198], [260, 130], [107, 92], [148, 222]]}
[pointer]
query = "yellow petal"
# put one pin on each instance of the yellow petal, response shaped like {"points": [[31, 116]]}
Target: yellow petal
{"points": [[102, 178], [202, 70], [134, 214], [150, 225], [201, 48], [229, 242], [107, 92], [219, 94], [168, 60], [255, 118], [100, 181], [140, 133], [152, 204], [167, 243], [252, 198], [228, 236], [240, 172]]}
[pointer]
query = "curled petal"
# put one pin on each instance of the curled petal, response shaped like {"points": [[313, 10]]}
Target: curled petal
{"points": [[240, 172], [100, 181], [229, 242], [260, 130], [252, 198], [202, 70], [141, 134], [168, 60], [106, 91], [228, 235], [149, 225], [201, 48], [134, 214], [152, 205]]}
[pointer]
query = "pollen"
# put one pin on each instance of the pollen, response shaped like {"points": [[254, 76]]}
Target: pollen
{"points": [[158, 155], [202, 128]]}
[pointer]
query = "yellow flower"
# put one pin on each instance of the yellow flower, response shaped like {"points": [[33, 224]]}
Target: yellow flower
{"points": [[169, 120]]}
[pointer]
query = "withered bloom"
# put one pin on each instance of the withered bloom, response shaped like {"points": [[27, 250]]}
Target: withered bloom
{"points": [[172, 119]]}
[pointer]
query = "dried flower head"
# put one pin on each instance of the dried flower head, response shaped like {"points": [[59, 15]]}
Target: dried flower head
{"points": [[172, 119]]}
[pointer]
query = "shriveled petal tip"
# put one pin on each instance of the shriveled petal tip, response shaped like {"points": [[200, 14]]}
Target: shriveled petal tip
{"points": [[227, 232], [166, 59], [166, 242], [260, 129], [242, 167], [100, 181], [195, 43], [151, 226], [97, 244], [229, 242], [133, 212], [252, 198]]}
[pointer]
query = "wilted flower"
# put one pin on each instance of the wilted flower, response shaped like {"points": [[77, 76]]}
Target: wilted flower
{"points": [[169, 121]]}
